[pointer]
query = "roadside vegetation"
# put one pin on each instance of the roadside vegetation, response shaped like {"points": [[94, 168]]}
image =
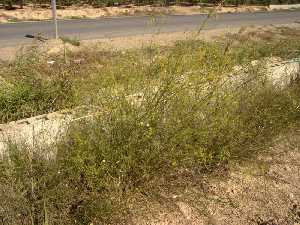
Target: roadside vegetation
{"points": [[159, 111], [10, 4]]}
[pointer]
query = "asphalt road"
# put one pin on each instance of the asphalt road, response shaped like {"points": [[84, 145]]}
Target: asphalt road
{"points": [[13, 34]]}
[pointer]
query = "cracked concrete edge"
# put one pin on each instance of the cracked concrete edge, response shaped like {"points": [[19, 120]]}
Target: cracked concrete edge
{"points": [[40, 131]]}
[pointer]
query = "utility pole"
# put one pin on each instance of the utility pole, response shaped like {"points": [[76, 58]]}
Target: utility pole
{"points": [[54, 15]]}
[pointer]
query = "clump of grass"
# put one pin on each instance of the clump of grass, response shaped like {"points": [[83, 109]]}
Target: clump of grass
{"points": [[31, 97], [257, 44], [13, 20], [163, 110], [72, 41], [34, 88]]}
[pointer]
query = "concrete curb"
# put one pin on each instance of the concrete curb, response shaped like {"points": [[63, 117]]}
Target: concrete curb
{"points": [[284, 7]]}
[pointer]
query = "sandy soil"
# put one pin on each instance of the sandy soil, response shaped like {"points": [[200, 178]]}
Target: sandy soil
{"points": [[29, 13]]}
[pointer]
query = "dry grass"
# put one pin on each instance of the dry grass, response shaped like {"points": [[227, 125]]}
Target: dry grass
{"points": [[30, 13]]}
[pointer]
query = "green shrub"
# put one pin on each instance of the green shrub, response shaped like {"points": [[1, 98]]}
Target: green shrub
{"points": [[128, 147], [30, 93]]}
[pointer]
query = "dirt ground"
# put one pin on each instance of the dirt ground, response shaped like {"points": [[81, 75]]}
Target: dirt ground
{"points": [[29, 13], [261, 191]]}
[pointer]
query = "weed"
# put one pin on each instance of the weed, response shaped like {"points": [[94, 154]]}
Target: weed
{"points": [[72, 41], [13, 20], [31, 91]]}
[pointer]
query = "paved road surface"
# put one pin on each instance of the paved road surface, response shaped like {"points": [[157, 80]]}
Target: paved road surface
{"points": [[13, 34]]}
